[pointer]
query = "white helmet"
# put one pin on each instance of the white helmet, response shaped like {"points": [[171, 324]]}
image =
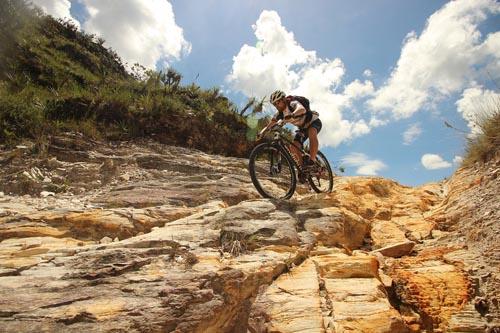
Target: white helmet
{"points": [[276, 96]]}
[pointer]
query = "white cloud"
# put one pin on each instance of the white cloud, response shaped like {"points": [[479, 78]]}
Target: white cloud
{"points": [[376, 122], [412, 133], [367, 73], [477, 104], [433, 161], [357, 89], [457, 160], [364, 165], [444, 59], [57, 8], [277, 61], [139, 31]]}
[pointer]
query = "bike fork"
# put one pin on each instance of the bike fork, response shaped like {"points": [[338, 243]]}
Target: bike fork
{"points": [[275, 166]]}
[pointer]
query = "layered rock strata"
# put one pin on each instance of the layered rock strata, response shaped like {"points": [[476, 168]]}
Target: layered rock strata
{"points": [[140, 237]]}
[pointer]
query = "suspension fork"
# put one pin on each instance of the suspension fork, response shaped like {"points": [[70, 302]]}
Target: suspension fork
{"points": [[275, 158]]}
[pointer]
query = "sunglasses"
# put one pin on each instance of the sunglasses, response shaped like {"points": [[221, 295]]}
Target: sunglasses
{"points": [[277, 102]]}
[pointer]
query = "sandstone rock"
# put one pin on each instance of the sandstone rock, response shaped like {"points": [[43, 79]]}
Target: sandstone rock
{"points": [[438, 233], [417, 226], [337, 227], [199, 254], [353, 296], [419, 283], [172, 272], [105, 240], [147, 194], [290, 304], [385, 233], [397, 250], [256, 224], [344, 266], [318, 296], [360, 305], [385, 279], [467, 320]]}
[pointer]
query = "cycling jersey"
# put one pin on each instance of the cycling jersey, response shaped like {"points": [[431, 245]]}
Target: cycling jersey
{"points": [[298, 115]]}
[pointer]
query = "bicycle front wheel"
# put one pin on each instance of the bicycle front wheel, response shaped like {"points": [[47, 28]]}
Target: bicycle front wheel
{"points": [[321, 180], [272, 171]]}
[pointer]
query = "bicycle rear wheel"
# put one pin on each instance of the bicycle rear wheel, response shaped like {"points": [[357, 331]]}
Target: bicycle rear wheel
{"points": [[321, 180], [272, 171]]}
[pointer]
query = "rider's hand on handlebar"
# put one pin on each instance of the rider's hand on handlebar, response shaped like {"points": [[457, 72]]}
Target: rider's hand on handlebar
{"points": [[262, 132]]}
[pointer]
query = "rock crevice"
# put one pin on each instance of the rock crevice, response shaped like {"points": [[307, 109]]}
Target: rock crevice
{"points": [[140, 237]]}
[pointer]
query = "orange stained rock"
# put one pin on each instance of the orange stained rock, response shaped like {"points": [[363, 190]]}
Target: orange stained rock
{"points": [[99, 309], [31, 231], [435, 288], [343, 266]]}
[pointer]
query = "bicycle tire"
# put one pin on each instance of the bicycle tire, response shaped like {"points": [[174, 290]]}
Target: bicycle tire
{"points": [[261, 148], [326, 164]]}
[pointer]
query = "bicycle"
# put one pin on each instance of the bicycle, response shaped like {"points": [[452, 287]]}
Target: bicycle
{"points": [[274, 169]]}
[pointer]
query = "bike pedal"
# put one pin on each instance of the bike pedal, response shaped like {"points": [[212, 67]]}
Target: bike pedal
{"points": [[302, 178]]}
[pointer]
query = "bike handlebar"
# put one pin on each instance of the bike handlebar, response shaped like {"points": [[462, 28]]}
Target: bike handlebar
{"points": [[279, 124]]}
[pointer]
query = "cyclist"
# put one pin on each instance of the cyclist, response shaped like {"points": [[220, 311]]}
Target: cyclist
{"points": [[290, 110]]}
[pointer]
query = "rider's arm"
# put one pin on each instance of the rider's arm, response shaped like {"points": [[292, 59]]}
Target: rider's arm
{"points": [[268, 126], [271, 124]]}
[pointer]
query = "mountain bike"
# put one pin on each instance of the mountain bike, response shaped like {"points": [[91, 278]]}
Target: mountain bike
{"points": [[274, 169]]}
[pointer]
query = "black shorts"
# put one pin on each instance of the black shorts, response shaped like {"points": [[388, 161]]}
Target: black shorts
{"points": [[302, 134]]}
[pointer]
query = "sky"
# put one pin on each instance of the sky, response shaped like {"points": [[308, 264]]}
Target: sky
{"points": [[384, 75]]}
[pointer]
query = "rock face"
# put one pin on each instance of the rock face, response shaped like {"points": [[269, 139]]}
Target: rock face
{"points": [[140, 237]]}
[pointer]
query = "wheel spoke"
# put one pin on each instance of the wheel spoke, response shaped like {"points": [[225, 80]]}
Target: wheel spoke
{"points": [[272, 172], [322, 179]]}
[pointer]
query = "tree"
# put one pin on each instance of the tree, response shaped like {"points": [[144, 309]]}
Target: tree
{"points": [[257, 106], [172, 78]]}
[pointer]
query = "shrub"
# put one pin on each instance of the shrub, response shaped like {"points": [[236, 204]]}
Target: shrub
{"points": [[486, 144], [56, 78], [20, 117]]}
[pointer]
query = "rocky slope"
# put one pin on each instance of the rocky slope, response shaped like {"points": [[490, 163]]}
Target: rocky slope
{"points": [[141, 237]]}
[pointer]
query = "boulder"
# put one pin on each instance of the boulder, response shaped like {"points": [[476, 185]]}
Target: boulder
{"points": [[397, 250]]}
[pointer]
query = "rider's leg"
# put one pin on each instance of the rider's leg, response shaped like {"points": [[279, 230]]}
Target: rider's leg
{"points": [[313, 142]]}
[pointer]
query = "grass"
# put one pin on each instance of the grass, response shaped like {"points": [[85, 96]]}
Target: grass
{"points": [[55, 78], [484, 146]]}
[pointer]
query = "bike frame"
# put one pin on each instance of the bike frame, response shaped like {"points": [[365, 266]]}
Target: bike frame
{"points": [[277, 146], [280, 139]]}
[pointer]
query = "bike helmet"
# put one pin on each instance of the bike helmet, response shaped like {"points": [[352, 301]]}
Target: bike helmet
{"points": [[276, 96]]}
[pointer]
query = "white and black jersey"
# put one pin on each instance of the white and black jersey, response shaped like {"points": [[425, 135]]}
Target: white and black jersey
{"points": [[298, 115]]}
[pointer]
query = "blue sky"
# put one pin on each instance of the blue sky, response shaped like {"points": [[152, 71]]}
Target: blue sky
{"points": [[423, 57], [350, 30]]}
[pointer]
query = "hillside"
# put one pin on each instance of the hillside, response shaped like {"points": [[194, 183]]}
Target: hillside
{"points": [[54, 78], [119, 213], [144, 237]]}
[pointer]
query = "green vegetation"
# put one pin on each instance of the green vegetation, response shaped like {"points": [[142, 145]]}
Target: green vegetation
{"points": [[484, 146], [54, 78]]}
